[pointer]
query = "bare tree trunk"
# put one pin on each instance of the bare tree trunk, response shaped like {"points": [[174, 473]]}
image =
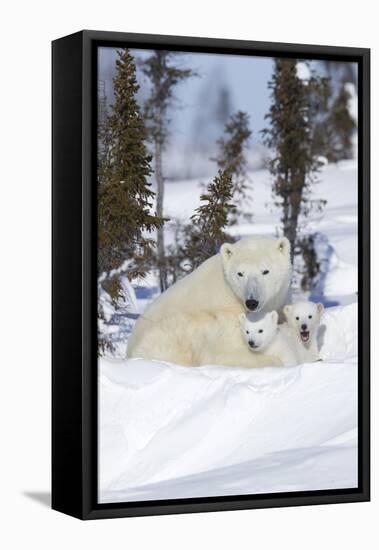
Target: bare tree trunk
{"points": [[287, 212], [295, 200], [160, 197], [163, 77], [291, 210], [292, 234]]}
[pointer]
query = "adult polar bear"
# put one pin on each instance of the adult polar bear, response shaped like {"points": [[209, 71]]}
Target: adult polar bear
{"points": [[196, 320]]}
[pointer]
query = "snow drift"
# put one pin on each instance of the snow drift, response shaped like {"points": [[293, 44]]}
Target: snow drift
{"points": [[167, 431]]}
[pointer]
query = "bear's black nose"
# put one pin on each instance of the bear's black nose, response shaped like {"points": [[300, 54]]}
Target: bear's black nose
{"points": [[251, 344], [252, 304], [303, 327]]}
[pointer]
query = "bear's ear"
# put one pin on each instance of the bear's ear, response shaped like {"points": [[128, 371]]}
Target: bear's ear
{"points": [[226, 251], [286, 310], [242, 318], [320, 308], [274, 316], [283, 245]]}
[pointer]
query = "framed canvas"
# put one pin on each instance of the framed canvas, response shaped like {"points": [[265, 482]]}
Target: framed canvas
{"points": [[211, 291]]}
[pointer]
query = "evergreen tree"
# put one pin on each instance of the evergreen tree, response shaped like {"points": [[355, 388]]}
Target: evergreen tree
{"points": [[103, 136], [223, 105], [177, 262], [338, 72], [232, 158], [124, 194], [164, 76], [290, 136], [342, 125], [206, 234], [311, 268], [320, 94], [334, 126]]}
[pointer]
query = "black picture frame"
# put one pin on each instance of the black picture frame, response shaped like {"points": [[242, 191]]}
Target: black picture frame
{"points": [[74, 295]]}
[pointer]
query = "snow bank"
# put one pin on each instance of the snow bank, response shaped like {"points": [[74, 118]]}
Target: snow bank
{"points": [[303, 71], [168, 431]]}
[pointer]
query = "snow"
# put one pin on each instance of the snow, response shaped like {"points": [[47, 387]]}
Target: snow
{"points": [[353, 110], [353, 101], [168, 431], [303, 71]]}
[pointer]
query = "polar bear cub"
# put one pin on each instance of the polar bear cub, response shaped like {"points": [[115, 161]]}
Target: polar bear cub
{"points": [[263, 335], [304, 318]]}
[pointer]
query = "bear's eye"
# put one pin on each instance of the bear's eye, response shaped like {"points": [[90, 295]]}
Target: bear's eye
{"points": [[260, 331], [240, 274], [265, 272], [297, 318], [309, 316]]}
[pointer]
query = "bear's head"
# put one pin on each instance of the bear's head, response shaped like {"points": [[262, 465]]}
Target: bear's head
{"points": [[259, 332], [304, 318], [257, 269]]}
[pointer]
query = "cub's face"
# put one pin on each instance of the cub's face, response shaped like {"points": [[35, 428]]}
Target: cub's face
{"points": [[304, 317], [257, 270], [258, 334]]}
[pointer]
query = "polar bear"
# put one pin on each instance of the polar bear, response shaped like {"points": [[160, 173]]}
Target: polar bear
{"points": [[223, 344], [252, 274], [304, 318], [265, 337]]}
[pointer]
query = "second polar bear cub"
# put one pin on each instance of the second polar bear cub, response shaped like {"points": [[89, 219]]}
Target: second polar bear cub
{"points": [[263, 335], [304, 318]]}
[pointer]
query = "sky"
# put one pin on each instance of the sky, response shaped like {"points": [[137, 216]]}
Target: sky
{"points": [[245, 77]]}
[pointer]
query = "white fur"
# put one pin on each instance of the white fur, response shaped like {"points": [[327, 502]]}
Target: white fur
{"points": [[265, 337], [184, 322], [302, 318]]}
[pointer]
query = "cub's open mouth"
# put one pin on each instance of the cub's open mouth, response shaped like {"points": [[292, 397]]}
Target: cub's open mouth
{"points": [[304, 335]]}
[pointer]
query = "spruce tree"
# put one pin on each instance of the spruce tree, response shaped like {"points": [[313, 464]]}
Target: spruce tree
{"points": [[342, 124], [164, 76], [311, 268], [338, 72], [294, 163], [320, 94], [206, 234], [125, 196], [232, 157], [334, 126], [223, 105]]}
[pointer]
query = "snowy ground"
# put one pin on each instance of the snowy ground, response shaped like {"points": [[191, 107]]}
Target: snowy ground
{"points": [[167, 431]]}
